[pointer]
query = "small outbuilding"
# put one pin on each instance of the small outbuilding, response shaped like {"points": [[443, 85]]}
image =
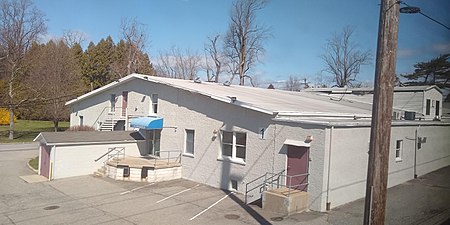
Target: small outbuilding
{"points": [[68, 154]]}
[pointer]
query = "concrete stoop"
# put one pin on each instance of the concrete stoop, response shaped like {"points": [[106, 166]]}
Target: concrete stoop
{"points": [[139, 173], [283, 201]]}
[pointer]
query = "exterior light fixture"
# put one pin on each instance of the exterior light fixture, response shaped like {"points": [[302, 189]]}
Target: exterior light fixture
{"points": [[410, 10]]}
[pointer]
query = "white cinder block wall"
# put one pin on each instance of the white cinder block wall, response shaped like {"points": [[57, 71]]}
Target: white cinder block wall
{"points": [[349, 159], [95, 108], [183, 109], [77, 160]]}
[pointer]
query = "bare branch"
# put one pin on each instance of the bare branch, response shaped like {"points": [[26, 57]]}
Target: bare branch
{"points": [[343, 59], [244, 39]]}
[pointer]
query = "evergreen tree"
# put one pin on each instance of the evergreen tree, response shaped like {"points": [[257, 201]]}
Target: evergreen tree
{"points": [[433, 72]]}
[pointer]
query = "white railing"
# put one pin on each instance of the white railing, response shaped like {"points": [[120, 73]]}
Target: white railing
{"points": [[113, 153], [107, 114], [277, 180]]}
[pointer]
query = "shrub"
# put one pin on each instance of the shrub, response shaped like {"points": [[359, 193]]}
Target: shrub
{"points": [[81, 128], [4, 116]]}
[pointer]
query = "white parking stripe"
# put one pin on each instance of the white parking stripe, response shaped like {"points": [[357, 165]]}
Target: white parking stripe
{"points": [[134, 189], [211, 206], [176, 194]]}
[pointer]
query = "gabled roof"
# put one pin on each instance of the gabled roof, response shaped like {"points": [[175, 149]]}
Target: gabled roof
{"points": [[88, 137], [102, 89], [302, 105], [268, 101]]}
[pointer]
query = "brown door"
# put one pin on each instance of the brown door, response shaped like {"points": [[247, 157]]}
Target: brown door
{"points": [[45, 160], [124, 103], [298, 162]]}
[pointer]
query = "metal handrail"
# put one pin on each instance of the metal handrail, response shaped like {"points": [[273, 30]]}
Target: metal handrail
{"points": [[104, 112], [109, 151], [260, 185], [168, 156], [289, 177], [99, 115], [167, 159]]}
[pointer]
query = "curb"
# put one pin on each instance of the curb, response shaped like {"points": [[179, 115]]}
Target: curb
{"points": [[438, 219], [31, 168]]}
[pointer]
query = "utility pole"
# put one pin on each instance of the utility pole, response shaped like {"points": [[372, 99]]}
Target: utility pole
{"points": [[377, 172]]}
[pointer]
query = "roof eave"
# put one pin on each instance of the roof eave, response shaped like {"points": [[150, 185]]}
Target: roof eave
{"points": [[104, 88]]}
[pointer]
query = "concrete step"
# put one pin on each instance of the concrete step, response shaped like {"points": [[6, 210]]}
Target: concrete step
{"points": [[98, 174]]}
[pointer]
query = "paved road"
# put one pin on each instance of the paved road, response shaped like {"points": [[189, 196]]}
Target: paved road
{"points": [[90, 200]]}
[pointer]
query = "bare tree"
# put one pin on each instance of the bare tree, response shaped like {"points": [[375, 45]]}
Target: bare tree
{"points": [[343, 59], [135, 35], [244, 39], [72, 37], [21, 24], [214, 56], [178, 64], [292, 84]]}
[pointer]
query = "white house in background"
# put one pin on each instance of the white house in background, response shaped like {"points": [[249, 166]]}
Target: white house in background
{"points": [[231, 136], [421, 102]]}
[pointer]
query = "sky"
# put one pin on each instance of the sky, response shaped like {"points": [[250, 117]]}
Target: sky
{"points": [[299, 29]]}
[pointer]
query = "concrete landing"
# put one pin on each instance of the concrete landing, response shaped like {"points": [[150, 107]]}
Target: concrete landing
{"points": [[34, 178], [285, 201]]}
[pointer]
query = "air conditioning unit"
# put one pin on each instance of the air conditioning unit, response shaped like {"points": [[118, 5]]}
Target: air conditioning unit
{"points": [[410, 115]]}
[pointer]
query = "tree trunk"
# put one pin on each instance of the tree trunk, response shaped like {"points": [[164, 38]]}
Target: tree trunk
{"points": [[11, 122], [55, 125]]}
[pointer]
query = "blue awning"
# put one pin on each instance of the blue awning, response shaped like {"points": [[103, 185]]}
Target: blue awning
{"points": [[147, 123]]}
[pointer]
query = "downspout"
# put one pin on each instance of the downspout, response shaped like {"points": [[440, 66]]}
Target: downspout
{"points": [[52, 163], [415, 151], [274, 142], [328, 207]]}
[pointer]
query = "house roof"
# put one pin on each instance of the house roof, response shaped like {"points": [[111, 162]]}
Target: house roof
{"points": [[305, 104], [371, 90], [85, 137], [264, 100]]}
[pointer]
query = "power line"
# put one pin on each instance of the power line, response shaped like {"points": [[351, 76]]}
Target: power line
{"points": [[423, 14]]}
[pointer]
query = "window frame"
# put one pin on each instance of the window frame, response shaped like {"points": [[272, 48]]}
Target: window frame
{"points": [[154, 103], [234, 146], [186, 144], [112, 103], [437, 108], [398, 150], [428, 107]]}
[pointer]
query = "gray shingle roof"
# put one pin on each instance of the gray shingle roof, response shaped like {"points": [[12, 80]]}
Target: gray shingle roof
{"points": [[89, 137]]}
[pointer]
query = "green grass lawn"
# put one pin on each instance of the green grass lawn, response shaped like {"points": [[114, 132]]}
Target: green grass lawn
{"points": [[27, 130], [34, 163]]}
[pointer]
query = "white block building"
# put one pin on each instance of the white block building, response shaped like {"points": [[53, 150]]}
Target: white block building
{"points": [[230, 137]]}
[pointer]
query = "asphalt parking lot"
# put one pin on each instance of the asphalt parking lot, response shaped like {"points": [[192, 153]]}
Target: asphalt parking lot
{"points": [[91, 200]]}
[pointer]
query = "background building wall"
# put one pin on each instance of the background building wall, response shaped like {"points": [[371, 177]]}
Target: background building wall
{"points": [[349, 158]]}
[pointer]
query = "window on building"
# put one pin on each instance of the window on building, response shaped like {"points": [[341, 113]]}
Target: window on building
{"points": [[398, 150], [428, 107], [234, 145], [157, 142], [234, 185], [113, 103], [189, 148], [81, 120], [154, 106], [438, 104]]}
